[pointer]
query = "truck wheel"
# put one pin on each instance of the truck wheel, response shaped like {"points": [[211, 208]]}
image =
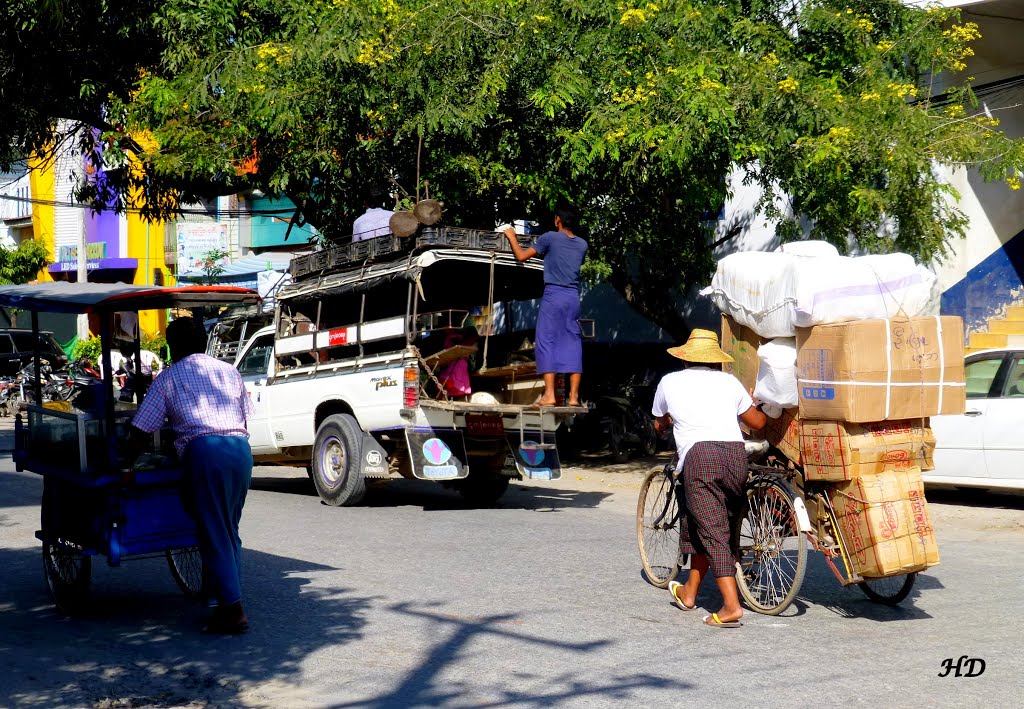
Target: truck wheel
{"points": [[337, 472], [485, 484]]}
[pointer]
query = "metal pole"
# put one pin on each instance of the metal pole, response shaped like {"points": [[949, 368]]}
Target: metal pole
{"points": [[83, 277], [37, 386], [106, 342]]}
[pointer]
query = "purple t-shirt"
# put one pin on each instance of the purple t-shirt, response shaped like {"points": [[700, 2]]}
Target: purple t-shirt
{"points": [[563, 255]]}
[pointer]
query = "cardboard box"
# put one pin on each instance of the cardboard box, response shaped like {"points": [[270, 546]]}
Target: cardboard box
{"points": [[741, 343], [784, 434], [924, 532], [880, 531], [881, 370], [836, 451]]}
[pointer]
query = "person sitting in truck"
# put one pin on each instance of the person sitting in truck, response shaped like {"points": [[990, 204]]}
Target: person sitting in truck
{"points": [[704, 406], [558, 342], [208, 407], [375, 220]]}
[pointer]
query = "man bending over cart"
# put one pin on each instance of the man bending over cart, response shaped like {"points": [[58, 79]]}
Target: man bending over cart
{"points": [[207, 406]]}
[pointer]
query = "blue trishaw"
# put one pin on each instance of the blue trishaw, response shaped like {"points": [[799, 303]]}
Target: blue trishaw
{"points": [[96, 500]]}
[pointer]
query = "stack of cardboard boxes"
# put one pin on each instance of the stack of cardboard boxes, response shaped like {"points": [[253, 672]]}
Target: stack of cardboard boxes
{"points": [[866, 390]]}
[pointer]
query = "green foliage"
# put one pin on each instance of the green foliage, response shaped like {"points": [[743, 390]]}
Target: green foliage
{"points": [[635, 110], [213, 266], [89, 349], [22, 264]]}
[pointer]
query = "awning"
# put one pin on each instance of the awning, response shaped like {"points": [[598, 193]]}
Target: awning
{"points": [[245, 268], [64, 297]]}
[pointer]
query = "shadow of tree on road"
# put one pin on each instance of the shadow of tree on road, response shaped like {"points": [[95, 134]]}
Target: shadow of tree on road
{"points": [[426, 686], [50, 661]]}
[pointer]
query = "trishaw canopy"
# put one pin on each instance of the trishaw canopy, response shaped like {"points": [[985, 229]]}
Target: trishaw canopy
{"points": [[64, 297]]}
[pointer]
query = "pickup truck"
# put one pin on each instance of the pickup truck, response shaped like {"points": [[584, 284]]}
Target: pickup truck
{"points": [[350, 379]]}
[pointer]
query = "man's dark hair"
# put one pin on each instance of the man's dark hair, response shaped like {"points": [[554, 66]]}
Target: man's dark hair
{"points": [[376, 197], [569, 214], [185, 337]]}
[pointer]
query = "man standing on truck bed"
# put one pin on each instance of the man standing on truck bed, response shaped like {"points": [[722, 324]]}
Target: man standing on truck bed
{"points": [[558, 343], [208, 406]]}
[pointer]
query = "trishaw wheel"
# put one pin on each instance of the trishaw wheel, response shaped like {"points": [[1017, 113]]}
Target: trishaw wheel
{"points": [[889, 590], [187, 569], [657, 528], [68, 572], [772, 550]]}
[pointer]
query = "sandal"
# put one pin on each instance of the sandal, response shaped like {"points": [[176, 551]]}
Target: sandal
{"points": [[714, 621]]}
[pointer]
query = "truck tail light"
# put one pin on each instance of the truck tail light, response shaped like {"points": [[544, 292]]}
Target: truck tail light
{"points": [[411, 386]]}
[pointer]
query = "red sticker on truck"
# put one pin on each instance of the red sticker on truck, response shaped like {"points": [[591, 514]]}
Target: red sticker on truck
{"points": [[337, 337]]}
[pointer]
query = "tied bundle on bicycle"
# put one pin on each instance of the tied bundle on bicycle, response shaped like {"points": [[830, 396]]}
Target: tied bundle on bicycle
{"points": [[97, 499], [850, 370]]}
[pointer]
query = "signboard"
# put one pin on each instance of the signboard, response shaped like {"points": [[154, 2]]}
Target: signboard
{"points": [[436, 454], [195, 241], [67, 256]]}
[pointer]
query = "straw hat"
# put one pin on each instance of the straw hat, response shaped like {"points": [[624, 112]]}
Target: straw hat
{"points": [[701, 346]]}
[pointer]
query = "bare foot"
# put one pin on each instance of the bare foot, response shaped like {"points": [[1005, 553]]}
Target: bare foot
{"points": [[727, 616], [543, 402]]}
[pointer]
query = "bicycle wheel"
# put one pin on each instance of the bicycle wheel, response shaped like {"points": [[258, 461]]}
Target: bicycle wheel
{"points": [[889, 590], [68, 572], [772, 550], [657, 528], [187, 569]]}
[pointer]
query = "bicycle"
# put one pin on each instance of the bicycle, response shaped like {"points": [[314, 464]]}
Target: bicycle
{"points": [[782, 515]]}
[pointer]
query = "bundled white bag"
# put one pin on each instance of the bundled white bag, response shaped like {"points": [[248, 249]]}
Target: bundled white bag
{"points": [[774, 293], [808, 248], [776, 373], [844, 288]]}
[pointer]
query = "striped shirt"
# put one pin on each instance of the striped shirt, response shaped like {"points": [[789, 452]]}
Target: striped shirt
{"points": [[201, 396]]}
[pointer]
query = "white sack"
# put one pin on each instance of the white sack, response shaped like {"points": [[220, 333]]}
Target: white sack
{"points": [[843, 288], [776, 373], [808, 248], [774, 293]]}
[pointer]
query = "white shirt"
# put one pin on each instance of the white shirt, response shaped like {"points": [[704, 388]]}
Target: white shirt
{"points": [[705, 405], [372, 223]]}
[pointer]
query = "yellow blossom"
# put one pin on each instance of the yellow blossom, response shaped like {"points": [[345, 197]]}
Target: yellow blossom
{"points": [[770, 59], [885, 46], [1013, 182], [542, 18], [865, 24], [954, 111], [633, 18], [788, 85], [839, 133], [870, 96], [902, 90]]}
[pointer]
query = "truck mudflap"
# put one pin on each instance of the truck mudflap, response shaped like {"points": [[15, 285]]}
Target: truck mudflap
{"points": [[437, 454], [535, 455], [374, 458]]}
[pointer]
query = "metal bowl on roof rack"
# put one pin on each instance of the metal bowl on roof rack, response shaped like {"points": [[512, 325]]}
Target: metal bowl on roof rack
{"points": [[428, 211], [403, 224]]}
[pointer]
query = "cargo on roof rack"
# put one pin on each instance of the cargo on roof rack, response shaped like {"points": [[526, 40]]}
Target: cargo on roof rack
{"points": [[384, 248]]}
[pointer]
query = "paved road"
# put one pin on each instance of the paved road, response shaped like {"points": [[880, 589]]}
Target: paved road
{"points": [[417, 601]]}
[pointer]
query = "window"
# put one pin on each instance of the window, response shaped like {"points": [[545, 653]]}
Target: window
{"points": [[257, 358], [980, 374], [1015, 381]]}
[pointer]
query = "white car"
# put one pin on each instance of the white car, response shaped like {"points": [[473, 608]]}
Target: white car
{"points": [[984, 447]]}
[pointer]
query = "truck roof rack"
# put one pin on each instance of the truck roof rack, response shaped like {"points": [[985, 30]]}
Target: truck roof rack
{"points": [[390, 247]]}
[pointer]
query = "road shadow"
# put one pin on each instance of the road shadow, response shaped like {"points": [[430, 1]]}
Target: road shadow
{"points": [[435, 497], [820, 587], [52, 661], [20, 490], [427, 686], [970, 497]]}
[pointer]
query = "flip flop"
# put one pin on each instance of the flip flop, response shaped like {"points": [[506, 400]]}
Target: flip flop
{"points": [[716, 623], [672, 586]]}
